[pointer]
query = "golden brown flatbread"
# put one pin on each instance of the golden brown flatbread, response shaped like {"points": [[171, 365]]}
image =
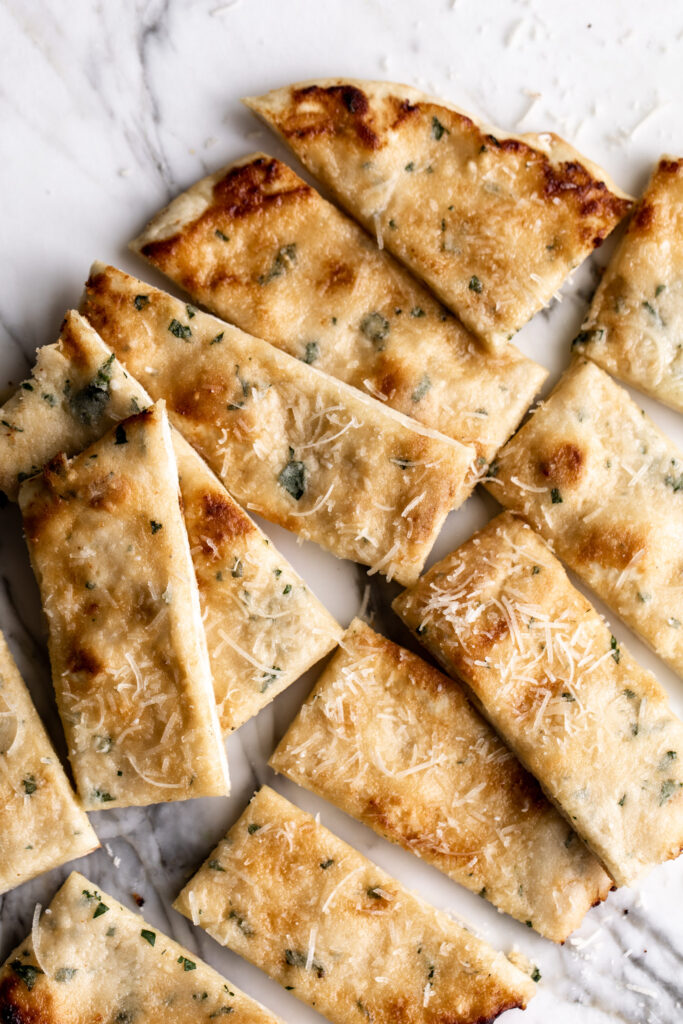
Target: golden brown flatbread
{"points": [[592, 725], [396, 744], [604, 486], [492, 222], [90, 960], [42, 825], [634, 327], [254, 605], [259, 247], [127, 646], [348, 939], [306, 451]]}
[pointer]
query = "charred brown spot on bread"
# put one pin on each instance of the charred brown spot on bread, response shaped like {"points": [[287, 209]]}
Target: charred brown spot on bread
{"points": [[336, 274], [644, 216], [102, 306], [222, 520], [341, 109], [670, 166], [107, 492], [18, 1006], [252, 187], [404, 110], [563, 465], [81, 659], [70, 345], [614, 547], [572, 182], [197, 399]]}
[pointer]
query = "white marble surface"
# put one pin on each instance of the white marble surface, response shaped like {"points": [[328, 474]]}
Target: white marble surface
{"points": [[107, 110]]}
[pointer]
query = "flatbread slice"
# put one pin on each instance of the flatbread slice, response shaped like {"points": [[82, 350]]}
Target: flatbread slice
{"points": [[592, 725], [290, 442], [492, 222], [396, 744], [42, 825], [599, 481], [128, 652], [634, 327], [90, 959], [254, 605], [335, 301], [321, 919]]}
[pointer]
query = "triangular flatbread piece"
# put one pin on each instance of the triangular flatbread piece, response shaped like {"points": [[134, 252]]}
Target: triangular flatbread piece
{"points": [[635, 324], [127, 645], [42, 825], [345, 937], [492, 222], [90, 959], [259, 247], [255, 606]]}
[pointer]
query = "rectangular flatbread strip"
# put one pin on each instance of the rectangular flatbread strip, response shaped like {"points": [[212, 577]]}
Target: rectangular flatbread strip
{"points": [[42, 824], [306, 451], [635, 323], [129, 660], [90, 959], [396, 744], [259, 247], [492, 222], [592, 725], [254, 605], [603, 485], [321, 919]]}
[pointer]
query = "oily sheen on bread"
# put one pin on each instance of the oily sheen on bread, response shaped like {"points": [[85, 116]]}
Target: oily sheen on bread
{"points": [[396, 744], [316, 915], [492, 222], [259, 247]]}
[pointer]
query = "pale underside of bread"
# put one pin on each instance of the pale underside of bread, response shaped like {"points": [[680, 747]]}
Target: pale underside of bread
{"points": [[396, 744], [592, 725], [492, 222], [316, 915], [600, 482], [254, 604], [42, 825], [634, 326], [127, 646], [303, 449], [256, 245], [90, 959]]}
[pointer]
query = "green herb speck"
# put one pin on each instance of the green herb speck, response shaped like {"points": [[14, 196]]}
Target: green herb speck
{"points": [[438, 130], [188, 965], [179, 330], [555, 496], [30, 785], [292, 478], [376, 329], [475, 285], [312, 352], [140, 301], [422, 388], [120, 435], [148, 936]]}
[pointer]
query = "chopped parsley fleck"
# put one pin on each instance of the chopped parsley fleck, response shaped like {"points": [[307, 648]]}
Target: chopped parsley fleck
{"points": [[179, 330], [643, 596], [88, 404], [622, 801], [218, 339], [148, 936], [220, 1012], [374, 893], [659, 289], [102, 796], [12, 426], [293, 478], [376, 329], [325, 864], [253, 827], [287, 589], [670, 756], [475, 285], [630, 694], [668, 789], [65, 973], [417, 312], [568, 696], [190, 311], [188, 965], [312, 352], [220, 234], [674, 482], [482, 892], [653, 312], [422, 388], [120, 435], [529, 924], [295, 958], [535, 974], [215, 865], [392, 224], [535, 571], [155, 525], [284, 259], [100, 909], [140, 301], [50, 399], [237, 568], [409, 167], [616, 653], [555, 496], [241, 923], [27, 972], [438, 130], [30, 785], [26, 386]]}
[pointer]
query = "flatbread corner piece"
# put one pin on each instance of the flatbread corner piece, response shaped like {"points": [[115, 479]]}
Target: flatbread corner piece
{"points": [[317, 916], [492, 222], [42, 824], [396, 744], [90, 959], [604, 486], [635, 322], [127, 645], [259, 247], [593, 726], [304, 450]]}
